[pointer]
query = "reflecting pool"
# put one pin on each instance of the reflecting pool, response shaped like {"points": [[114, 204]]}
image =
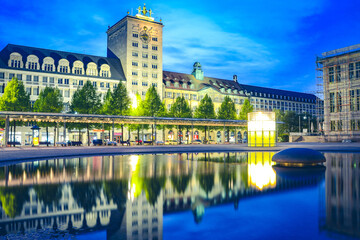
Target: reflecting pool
{"points": [[180, 196]]}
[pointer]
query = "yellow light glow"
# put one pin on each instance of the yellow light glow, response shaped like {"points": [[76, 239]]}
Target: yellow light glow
{"points": [[134, 101], [260, 171], [134, 159], [261, 129]]}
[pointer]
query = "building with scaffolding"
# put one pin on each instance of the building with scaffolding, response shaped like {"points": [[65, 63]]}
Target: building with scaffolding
{"points": [[338, 73]]}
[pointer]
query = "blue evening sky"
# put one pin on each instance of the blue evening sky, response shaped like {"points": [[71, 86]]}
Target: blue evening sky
{"points": [[266, 43]]}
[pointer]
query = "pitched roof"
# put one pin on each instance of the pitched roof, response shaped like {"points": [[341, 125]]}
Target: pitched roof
{"points": [[218, 84], [114, 63]]}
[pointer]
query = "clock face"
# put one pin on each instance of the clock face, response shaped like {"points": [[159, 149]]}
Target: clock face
{"points": [[145, 36]]}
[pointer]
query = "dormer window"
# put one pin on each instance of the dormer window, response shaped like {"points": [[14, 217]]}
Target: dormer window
{"points": [[15, 60], [63, 66], [176, 84], [32, 62], [78, 68], [48, 64], [91, 69], [105, 71]]}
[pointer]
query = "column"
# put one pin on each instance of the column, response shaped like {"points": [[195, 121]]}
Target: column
{"points": [[192, 133], [64, 131], [7, 125], [223, 136], [113, 129], [155, 132]]}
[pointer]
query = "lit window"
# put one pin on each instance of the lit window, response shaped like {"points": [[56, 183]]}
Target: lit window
{"points": [[145, 74], [145, 65], [135, 54], [154, 75]]}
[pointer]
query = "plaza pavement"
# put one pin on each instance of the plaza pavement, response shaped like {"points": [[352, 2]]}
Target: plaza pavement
{"points": [[19, 154]]}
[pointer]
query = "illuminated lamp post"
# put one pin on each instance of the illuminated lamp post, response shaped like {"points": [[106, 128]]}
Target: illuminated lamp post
{"points": [[261, 129]]}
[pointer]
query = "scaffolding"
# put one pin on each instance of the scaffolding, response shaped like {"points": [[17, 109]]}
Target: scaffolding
{"points": [[337, 77]]}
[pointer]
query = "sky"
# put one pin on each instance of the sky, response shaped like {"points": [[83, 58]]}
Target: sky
{"points": [[265, 43]]}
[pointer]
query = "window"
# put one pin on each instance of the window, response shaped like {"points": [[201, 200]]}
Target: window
{"points": [[154, 66], [94, 84], [351, 70], [36, 79], [28, 78], [135, 35], [135, 64], [154, 75], [145, 65], [145, 55], [352, 100], [134, 73], [19, 76], [63, 69], [44, 79], [66, 81], [338, 73], [154, 84], [338, 102], [51, 80], [145, 74], [11, 75], [340, 125], [135, 54], [143, 93], [168, 94], [15, 63], [135, 83], [48, 67], [135, 44], [28, 90], [155, 39], [155, 48], [154, 57], [60, 81], [357, 66], [358, 100], [32, 65], [67, 93], [145, 46], [102, 85], [81, 82], [145, 84], [107, 85], [78, 70], [104, 73], [2, 88], [75, 82]]}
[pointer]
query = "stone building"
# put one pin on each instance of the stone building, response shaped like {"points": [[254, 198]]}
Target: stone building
{"points": [[134, 56]]}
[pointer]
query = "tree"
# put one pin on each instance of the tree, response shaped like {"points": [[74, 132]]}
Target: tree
{"points": [[245, 109], [136, 110], [120, 103], [227, 111], [180, 109], [50, 101], [86, 101], [205, 110], [152, 106], [15, 98]]}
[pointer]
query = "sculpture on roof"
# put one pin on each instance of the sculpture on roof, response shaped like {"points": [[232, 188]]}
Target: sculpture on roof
{"points": [[143, 11]]}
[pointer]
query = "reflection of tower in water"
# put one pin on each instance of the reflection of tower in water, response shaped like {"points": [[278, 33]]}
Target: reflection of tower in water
{"points": [[342, 194]]}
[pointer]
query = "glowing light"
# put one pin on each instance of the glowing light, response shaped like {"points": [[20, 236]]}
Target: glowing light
{"points": [[261, 129], [134, 100], [134, 159], [260, 171]]}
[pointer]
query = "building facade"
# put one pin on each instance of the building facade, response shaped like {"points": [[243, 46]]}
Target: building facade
{"points": [[134, 56], [339, 72]]}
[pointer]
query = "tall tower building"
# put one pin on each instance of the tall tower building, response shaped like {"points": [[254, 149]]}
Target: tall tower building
{"points": [[137, 42]]}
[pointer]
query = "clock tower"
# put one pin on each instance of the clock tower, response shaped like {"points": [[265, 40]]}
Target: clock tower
{"points": [[137, 42]]}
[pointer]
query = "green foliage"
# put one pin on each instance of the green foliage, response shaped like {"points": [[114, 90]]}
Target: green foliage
{"points": [[152, 105], [86, 194], [85, 100], [180, 183], [49, 193], [153, 186], [13, 199], [15, 98], [50, 101], [245, 109], [227, 109], [207, 182], [116, 190], [205, 109], [106, 108], [119, 101], [180, 109]]}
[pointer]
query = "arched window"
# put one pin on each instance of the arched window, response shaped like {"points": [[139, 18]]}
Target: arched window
{"points": [[239, 135], [63, 66], [91, 69], [15, 60], [176, 84], [105, 71], [48, 64], [32, 62], [78, 68]]}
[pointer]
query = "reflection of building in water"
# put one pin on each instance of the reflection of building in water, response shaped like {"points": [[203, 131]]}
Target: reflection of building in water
{"points": [[143, 220], [64, 213], [342, 193], [132, 192]]}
